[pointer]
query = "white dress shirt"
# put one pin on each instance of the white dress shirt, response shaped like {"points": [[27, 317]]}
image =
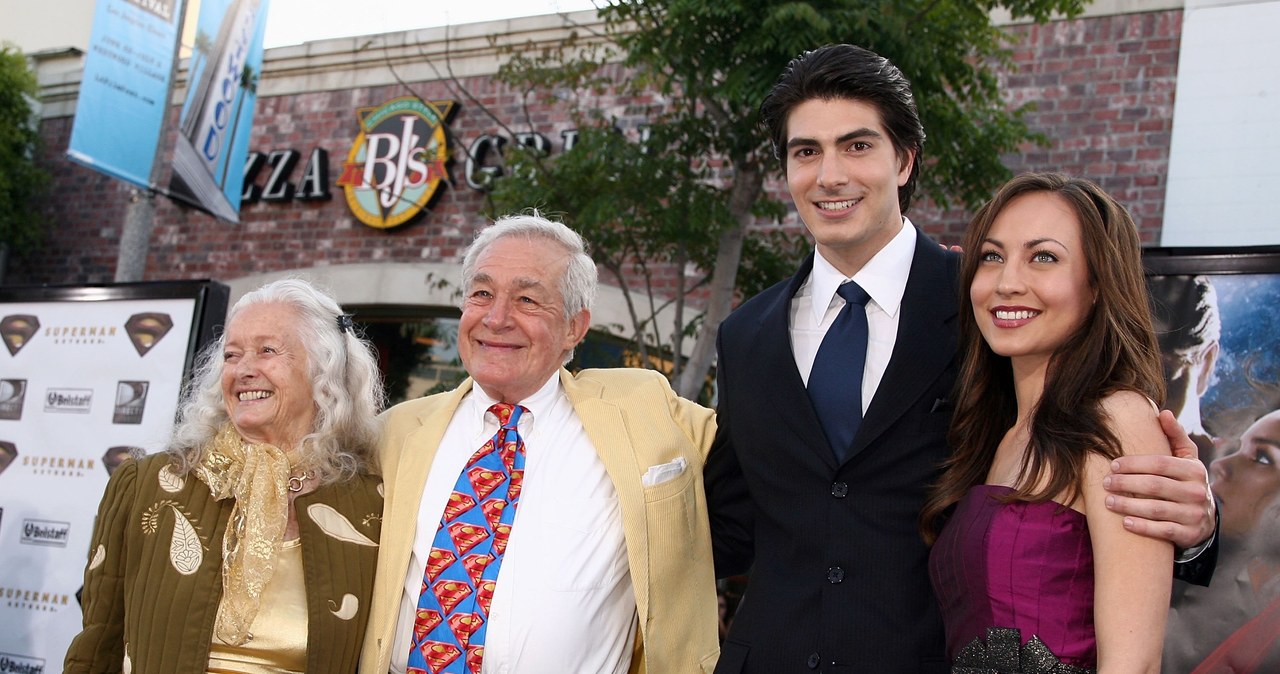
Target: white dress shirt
{"points": [[816, 304], [563, 600]]}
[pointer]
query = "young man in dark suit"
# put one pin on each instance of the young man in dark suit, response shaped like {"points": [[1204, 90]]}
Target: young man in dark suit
{"points": [[823, 507]]}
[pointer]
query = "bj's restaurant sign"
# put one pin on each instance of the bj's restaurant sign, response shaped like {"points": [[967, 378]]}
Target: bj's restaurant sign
{"points": [[395, 167]]}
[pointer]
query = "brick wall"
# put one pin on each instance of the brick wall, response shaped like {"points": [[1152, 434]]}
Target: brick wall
{"points": [[1103, 87]]}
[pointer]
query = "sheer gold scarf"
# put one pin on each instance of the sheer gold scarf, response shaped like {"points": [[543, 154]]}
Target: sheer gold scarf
{"points": [[257, 476]]}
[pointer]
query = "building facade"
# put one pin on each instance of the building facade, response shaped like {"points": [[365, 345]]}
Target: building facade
{"points": [[1103, 85]]}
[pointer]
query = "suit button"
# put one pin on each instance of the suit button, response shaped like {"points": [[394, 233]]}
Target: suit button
{"points": [[840, 489], [835, 575], [813, 661]]}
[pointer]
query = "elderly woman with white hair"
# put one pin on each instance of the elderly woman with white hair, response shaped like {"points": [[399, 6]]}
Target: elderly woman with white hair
{"points": [[250, 545]]}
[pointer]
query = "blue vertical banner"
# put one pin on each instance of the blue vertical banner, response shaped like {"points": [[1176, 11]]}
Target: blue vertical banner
{"points": [[124, 92], [217, 115]]}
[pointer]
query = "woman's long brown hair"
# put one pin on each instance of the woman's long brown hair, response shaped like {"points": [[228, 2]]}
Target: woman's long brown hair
{"points": [[1114, 349]]}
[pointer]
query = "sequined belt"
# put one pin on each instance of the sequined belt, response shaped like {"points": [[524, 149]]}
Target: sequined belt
{"points": [[1004, 653]]}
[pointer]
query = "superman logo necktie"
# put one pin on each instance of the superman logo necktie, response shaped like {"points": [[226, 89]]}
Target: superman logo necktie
{"points": [[462, 567]]}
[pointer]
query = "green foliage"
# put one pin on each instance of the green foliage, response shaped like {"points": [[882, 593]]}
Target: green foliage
{"points": [[644, 207], [727, 53], [768, 257], [21, 181], [694, 190], [627, 202]]}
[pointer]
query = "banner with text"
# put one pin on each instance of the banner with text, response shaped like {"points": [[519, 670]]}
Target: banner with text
{"points": [[217, 115], [124, 92]]}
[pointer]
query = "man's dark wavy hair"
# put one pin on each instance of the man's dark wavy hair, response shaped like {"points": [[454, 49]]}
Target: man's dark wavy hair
{"points": [[848, 72]]}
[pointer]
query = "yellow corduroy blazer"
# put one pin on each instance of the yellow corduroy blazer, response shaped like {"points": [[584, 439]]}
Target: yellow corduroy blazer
{"points": [[635, 421]]}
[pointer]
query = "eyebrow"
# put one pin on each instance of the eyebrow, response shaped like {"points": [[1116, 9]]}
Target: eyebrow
{"points": [[522, 282], [1030, 244], [863, 132], [525, 283]]}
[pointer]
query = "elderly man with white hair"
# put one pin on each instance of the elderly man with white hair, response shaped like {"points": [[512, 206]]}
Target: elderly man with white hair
{"points": [[538, 520]]}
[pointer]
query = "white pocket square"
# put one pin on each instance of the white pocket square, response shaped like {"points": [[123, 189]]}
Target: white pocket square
{"points": [[663, 472]]}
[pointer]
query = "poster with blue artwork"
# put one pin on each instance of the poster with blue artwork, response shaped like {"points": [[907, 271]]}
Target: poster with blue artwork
{"points": [[1217, 317]]}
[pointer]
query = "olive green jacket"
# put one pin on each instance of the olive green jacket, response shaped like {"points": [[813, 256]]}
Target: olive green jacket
{"points": [[153, 582]]}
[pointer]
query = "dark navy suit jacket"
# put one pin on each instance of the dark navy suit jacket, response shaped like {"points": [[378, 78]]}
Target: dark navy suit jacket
{"points": [[839, 579]]}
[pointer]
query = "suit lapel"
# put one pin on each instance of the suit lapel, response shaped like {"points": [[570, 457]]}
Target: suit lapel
{"points": [[606, 428], [926, 341], [771, 351], [404, 496]]}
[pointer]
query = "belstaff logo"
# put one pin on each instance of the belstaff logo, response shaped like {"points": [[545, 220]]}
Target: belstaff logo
{"points": [[73, 400], [45, 532], [20, 664], [146, 330], [16, 330], [397, 162]]}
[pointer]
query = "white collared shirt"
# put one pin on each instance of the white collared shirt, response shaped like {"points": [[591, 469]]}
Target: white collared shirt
{"points": [[816, 304], [564, 600]]}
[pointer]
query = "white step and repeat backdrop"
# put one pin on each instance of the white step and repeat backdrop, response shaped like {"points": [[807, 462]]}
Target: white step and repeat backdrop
{"points": [[88, 376]]}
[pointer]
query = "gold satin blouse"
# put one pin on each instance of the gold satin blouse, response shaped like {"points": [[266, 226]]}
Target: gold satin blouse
{"points": [[279, 643]]}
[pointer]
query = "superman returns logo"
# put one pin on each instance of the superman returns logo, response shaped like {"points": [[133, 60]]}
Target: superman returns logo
{"points": [[397, 162]]}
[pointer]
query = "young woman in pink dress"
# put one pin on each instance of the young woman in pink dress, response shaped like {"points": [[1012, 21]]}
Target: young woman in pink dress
{"points": [[1060, 375]]}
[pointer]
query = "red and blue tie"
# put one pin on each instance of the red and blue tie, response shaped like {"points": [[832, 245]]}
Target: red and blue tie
{"points": [[462, 568]]}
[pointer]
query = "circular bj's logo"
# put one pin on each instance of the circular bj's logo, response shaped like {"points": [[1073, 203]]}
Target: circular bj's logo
{"points": [[397, 162]]}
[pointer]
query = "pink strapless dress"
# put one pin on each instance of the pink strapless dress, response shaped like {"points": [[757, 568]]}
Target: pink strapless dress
{"points": [[1015, 584]]}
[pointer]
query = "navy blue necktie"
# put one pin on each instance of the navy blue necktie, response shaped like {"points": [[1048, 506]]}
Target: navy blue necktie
{"points": [[835, 383]]}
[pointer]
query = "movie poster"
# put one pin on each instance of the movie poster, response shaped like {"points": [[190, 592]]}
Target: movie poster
{"points": [[1220, 338]]}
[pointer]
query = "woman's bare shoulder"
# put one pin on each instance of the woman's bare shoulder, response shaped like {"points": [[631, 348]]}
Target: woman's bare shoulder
{"points": [[1133, 418]]}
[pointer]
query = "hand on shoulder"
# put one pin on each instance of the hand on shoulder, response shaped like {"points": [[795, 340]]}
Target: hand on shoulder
{"points": [[1158, 485]]}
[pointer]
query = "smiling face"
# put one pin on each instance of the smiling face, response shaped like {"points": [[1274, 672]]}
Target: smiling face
{"points": [[513, 334], [1248, 480], [266, 386], [1031, 291], [843, 173]]}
